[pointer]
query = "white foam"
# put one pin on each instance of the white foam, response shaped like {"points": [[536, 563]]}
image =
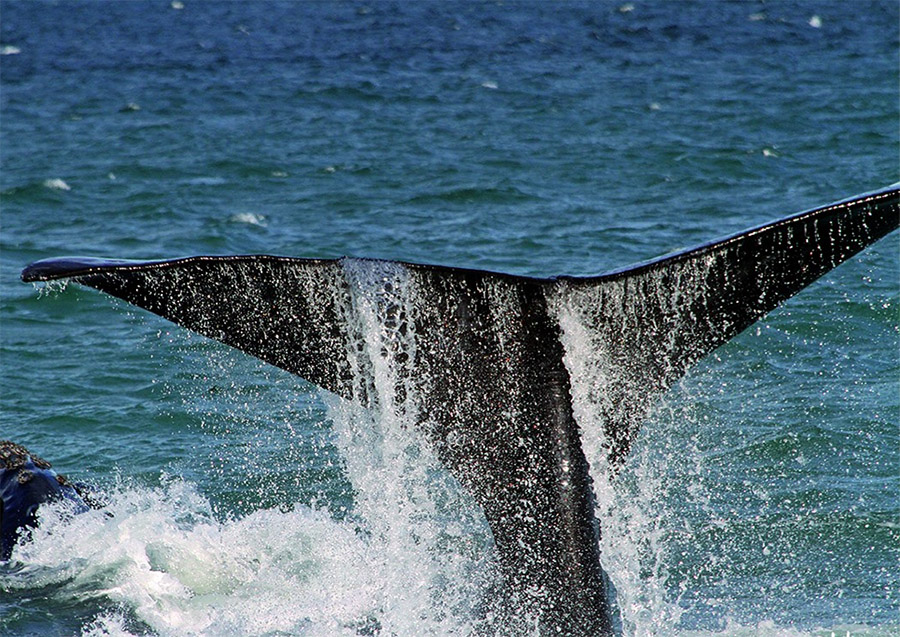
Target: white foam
{"points": [[164, 556], [250, 218], [10, 50], [56, 184], [107, 625], [206, 181]]}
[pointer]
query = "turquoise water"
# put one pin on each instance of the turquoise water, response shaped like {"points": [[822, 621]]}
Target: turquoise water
{"points": [[761, 497]]}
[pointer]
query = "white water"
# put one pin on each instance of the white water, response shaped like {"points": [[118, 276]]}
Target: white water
{"points": [[164, 557], [161, 554], [433, 541], [631, 505]]}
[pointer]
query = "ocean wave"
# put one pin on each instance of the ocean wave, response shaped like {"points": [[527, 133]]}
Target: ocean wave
{"points": [[56, 184], [249, 218], [205, 181], [474, 194]]}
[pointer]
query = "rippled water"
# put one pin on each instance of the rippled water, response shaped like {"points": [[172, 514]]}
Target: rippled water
{"points": [[760, 498]]}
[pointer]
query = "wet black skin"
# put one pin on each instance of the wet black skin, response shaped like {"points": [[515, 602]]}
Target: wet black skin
{"points": [[26, 482]]}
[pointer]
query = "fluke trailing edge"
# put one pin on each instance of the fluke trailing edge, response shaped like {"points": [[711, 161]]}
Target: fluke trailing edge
{"points": [[486, 353]]}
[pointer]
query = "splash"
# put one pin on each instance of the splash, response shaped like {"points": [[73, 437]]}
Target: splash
{"points": [[161, 554], [249, 218], [631, 499], [434, 544], [51, 288]]}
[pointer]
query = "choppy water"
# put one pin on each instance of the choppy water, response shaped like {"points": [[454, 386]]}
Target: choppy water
{"points": [[761, 497]]}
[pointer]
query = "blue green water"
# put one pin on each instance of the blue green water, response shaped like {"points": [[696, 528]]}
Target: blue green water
{"points": [[761, 498]]}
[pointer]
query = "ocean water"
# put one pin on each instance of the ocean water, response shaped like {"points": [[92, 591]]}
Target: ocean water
{"points": [[561, 138]]}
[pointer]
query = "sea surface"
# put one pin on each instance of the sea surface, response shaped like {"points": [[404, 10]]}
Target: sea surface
{"points": [[533, 138]]}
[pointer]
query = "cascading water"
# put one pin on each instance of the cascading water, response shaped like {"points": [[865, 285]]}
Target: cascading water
{"points": [[629, 500], [431, 542], [622, 393]]}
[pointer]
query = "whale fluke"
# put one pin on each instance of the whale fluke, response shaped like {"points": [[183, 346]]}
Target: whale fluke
{"points": [[486, 353]]}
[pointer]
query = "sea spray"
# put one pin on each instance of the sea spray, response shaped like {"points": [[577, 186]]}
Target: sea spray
{"points": [[161, 558], [629, 525], [431, 541], [616, 387]]}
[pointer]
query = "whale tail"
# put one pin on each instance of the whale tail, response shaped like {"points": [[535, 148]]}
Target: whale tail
{"points": [[485, 351]]}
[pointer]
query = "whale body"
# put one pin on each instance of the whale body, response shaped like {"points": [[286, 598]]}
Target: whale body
{"points": [[486, 353], [26, 482]]}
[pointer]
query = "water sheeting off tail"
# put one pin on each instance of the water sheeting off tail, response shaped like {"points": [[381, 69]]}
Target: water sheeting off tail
{"points": [[478, 369], [648, 324]]}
